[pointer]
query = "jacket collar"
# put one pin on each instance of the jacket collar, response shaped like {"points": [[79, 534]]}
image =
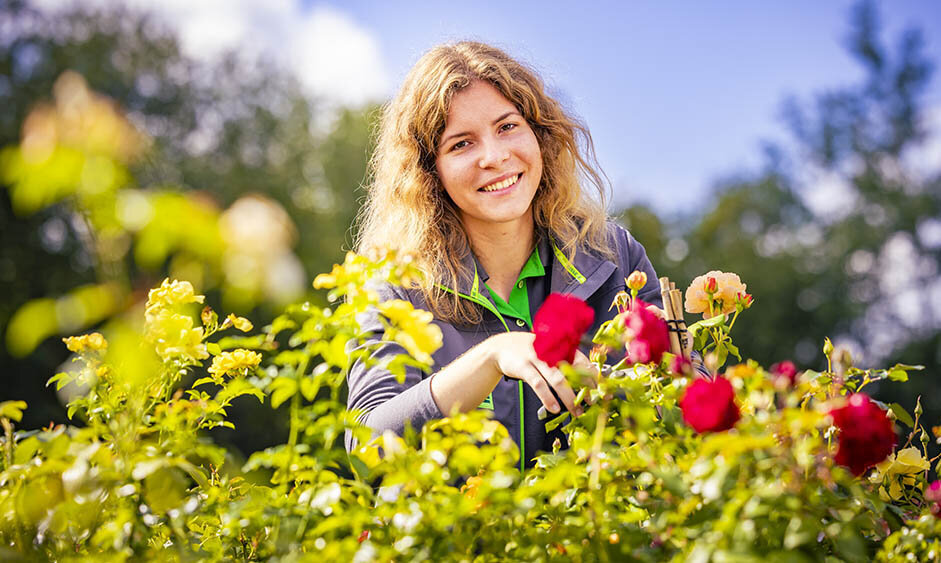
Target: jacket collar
{"points": [[581, 276]]}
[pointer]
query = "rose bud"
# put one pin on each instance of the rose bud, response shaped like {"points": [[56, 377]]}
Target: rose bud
{"points": [[637, 280], [712, 285]]}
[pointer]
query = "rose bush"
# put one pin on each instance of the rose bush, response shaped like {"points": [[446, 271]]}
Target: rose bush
{"points": [[664, 464]]}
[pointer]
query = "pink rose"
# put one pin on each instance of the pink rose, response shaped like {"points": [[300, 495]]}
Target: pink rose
{"points": [[785, 371], [647, 335]]}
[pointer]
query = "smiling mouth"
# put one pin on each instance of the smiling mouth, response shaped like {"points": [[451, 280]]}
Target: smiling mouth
{"points": [[501, 185]]}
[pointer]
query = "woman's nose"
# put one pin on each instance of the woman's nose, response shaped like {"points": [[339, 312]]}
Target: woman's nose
{"points": [[493, 153]]}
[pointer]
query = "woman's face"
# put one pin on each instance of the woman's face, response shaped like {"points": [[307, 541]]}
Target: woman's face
{"points": [[488, 160]]}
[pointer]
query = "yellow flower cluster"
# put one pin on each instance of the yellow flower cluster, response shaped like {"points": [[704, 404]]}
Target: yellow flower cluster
{"points": [[236, 361], [93, 342], [172, 333], [900, 470], [720, 290], [412, 328], [170, 294]]}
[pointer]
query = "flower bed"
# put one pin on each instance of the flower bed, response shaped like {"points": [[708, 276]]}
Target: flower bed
{"points": [[665, 463]]}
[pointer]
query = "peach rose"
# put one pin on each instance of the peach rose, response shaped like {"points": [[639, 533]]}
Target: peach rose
{"points": [[727, 287]]}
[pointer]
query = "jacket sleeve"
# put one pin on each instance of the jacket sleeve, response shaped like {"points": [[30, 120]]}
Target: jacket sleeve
{"points": [[380, 401]]}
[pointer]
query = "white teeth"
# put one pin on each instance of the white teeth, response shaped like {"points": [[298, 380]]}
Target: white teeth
{"points": [[500, 185]]}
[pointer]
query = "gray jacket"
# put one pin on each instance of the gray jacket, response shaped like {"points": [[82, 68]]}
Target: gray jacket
{"points": [[386, 404]]}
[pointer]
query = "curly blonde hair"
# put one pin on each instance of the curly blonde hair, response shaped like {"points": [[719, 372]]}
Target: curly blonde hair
{"points": [[408, 209]]}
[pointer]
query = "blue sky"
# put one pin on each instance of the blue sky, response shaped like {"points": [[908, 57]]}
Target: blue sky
{"points": [[676, 95]]}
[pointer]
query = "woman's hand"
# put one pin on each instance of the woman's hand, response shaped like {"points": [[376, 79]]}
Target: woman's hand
{"points": [[512, 354]]}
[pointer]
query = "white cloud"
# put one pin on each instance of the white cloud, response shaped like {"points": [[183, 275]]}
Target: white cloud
{"points": [[337, 60]]}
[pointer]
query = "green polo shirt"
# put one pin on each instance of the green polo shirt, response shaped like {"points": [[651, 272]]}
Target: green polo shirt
{"points": [[518, 305]]}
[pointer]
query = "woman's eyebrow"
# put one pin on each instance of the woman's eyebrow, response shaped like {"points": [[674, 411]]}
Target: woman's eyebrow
{"points": [[464, 133]]}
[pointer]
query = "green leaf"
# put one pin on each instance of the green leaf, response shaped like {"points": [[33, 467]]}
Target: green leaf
{"points": [[898, 375], [12, 410], [733, 349], [309, 388], [282, 389], [203, 380], [902, 415], [705, 323], [237, 388], [63, 379], [555, 422]]}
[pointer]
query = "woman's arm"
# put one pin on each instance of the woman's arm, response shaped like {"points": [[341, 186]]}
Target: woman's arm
{"points": [[467, 381], [385, 403]]}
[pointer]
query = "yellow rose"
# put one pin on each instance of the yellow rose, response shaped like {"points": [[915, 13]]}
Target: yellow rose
{"points": [[93, 342], [236, 361], [412, 328]]}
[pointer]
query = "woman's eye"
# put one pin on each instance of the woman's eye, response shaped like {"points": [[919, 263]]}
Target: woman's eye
{"points": [[507, 126], [458, 145]]}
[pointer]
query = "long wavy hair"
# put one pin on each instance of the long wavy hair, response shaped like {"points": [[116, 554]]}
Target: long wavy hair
{"points": [[406, 206]]}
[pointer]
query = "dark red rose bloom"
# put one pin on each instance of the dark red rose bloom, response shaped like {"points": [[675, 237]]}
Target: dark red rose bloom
{"points": [[785, 369], [559, 325], [647, 335], [866, 434], [709, 405]]}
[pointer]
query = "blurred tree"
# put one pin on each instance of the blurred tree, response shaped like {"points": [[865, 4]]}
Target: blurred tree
{"points": [[226, 127], [841, 238]]}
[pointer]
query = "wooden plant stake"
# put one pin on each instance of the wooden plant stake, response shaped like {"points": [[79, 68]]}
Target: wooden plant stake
{"points": [[676, 300], [676, 347]]}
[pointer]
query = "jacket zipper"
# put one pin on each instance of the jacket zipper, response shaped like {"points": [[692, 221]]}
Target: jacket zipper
{"points": [[476, 297]]}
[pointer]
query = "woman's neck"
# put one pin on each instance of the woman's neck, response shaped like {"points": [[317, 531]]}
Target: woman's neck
{"points": [[503, 250]]}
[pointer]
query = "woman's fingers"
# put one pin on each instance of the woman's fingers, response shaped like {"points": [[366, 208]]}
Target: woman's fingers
{"points": [[560, 385], [657, 311], [541, 387]]}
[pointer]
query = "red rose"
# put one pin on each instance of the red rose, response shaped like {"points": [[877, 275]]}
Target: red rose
{"points": [[866, 434], [786, 370], [559, 325], [709, 405], [647, 335]]}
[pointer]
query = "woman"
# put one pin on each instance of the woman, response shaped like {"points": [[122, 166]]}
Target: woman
{"points": [[478, 175]]}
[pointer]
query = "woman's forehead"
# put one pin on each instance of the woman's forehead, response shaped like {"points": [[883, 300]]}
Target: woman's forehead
{"points": [[478, 103]]}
